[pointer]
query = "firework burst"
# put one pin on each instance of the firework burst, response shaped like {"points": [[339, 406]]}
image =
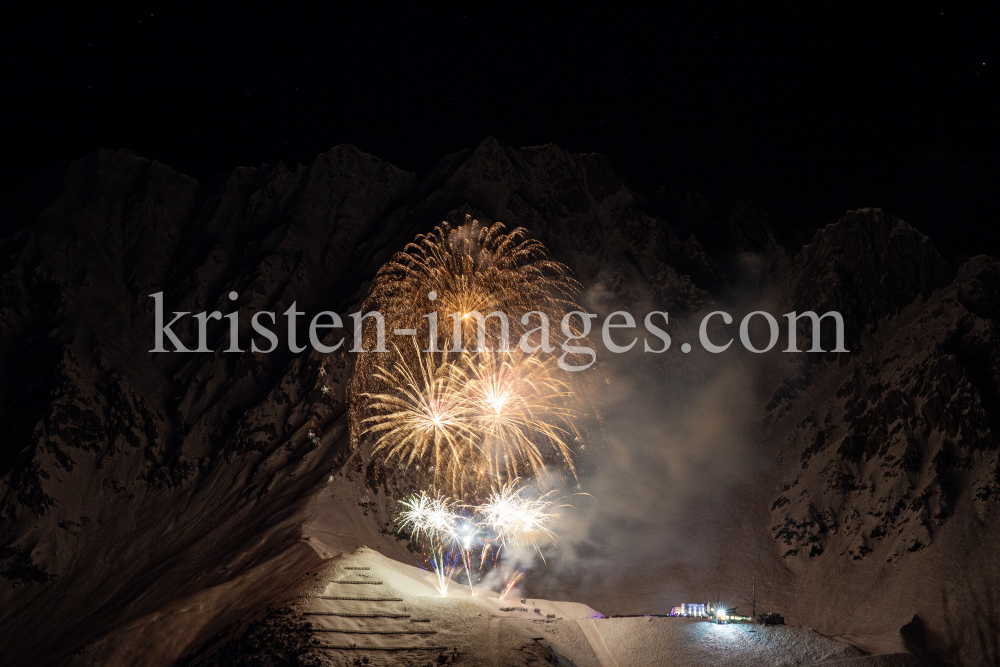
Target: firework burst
{"points": [[519, 404], [469, 408], [453, 532], [425, 418], [470, 268], [434, 517], [511, 517]]}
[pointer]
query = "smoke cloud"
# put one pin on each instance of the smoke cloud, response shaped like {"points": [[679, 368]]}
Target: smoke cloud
{"points": [[661, 473]]}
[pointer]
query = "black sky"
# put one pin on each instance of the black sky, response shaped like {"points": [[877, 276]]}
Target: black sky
{"points": [[808, 108]]}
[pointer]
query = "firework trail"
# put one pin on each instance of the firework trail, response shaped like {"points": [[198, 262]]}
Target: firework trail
{"points": [[505, 518], [465, 538], [472, 411], [437, 519], [445, 565], [486, 551], [512, 578]]}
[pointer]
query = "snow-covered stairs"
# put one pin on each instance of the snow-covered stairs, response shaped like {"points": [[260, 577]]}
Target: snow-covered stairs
{"points": [[360, 619]]}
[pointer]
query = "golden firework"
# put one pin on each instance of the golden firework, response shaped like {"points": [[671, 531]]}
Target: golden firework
{"points": [[454, 272], [425, 415], [520, 403], [469, 408]]}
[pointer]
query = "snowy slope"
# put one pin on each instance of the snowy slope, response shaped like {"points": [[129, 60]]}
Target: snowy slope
{"points": [[151, 501], [369, 607]]}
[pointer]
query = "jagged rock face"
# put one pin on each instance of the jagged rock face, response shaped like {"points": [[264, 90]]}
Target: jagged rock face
{"points": [[890, 455], [913, 422], [867, 266], [139, 461], [122, 467], [123, 471], [911, 427], [584, 214]]}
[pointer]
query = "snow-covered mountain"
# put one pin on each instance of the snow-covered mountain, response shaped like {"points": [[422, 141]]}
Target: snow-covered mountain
{"points": [[150, 500]]}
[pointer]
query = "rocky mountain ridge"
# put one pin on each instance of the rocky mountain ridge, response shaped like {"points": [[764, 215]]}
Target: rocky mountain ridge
{"points": [[130, 481]]}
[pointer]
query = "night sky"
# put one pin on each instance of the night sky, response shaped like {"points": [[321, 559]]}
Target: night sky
{"points": [[808, 110]]}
